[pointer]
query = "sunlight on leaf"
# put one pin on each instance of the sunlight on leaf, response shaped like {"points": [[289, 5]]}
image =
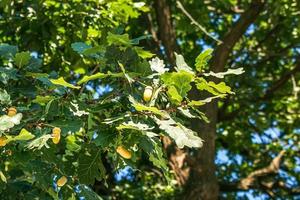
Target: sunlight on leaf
{"points": [[61, 81]]}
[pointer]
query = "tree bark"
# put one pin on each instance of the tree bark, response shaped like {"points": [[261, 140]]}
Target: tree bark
{"points": [[197, 172], [165, 28], [202, 182]]}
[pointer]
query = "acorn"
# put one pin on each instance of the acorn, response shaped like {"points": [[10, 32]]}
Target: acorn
{"points": [[56, 135], [12, 111], [124, 152], [3, 141], [62, 181], [148, 93]]}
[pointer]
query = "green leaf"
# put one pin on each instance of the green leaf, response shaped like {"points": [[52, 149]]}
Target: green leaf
{"points": [[71, 143], [237, 71], [136, 41], [92, 77], [140, 107], [80, 47], [94, 51], [213, 88], [66, 126], [181, 135], [143, 53], [174, 95], [88, 193], [202, 59], [135, 126], [24, 135], [186, 112], [90, 167], [22, 59], [204, 101], [8, 51], [181, 80], [4, 97], [42, 100], [36, 75], [104, 138], [181, 64], [61, 81], [152, 146], [7, 73], [118, 39]]}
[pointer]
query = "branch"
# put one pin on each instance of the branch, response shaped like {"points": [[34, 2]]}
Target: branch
{"points": [[232, 37], [180, 6], [223, 116], [248, 182], [166, 31], [281, 81]]}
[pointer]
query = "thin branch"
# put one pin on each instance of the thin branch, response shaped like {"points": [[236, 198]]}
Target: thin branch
{"points": [[180, 6], [296, 88], [83, 86], [278, 84], [248, 182], [223, 51]]}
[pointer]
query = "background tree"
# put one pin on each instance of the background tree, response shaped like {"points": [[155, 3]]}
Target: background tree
{"points": [[262, 37], [254, 132]]}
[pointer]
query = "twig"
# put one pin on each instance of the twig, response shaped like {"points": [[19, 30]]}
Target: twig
{"points": [[83, 86], [180, 6]]}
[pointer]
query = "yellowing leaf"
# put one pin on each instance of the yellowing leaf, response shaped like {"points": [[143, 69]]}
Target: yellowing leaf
{"points": [[143, 53], [23, 135], [140, 107], [92, 77], [2, 177], [61, 81]]}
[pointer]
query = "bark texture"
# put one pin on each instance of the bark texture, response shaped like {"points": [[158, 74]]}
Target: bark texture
{"points": [[197, 172], [202, 182], [165, 28]]}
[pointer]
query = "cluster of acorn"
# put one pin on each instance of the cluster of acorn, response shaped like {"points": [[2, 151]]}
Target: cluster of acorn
{"points": [[57, 131], [12, 111], [147, 97]]}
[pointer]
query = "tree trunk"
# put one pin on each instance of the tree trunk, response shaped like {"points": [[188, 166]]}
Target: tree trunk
{"points": [[165, 28], [202, 183], [197, 172]]}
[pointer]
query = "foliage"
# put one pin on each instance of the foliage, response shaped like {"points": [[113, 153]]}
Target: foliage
{"points": [[51, 81]]}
